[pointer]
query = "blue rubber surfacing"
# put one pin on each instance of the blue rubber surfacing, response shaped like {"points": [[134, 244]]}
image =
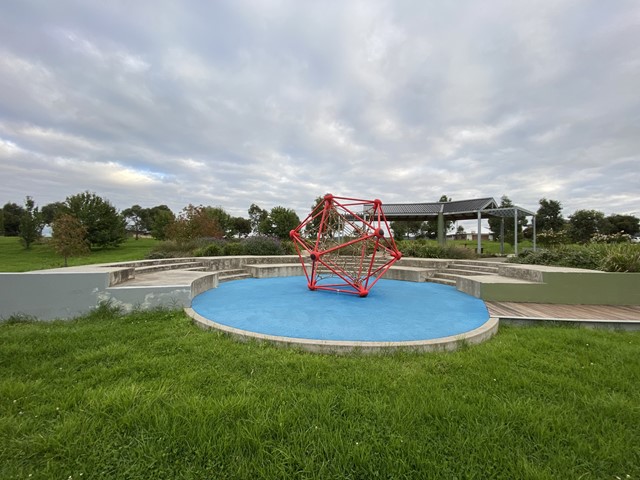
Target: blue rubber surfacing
{"points": [[394, 311]]}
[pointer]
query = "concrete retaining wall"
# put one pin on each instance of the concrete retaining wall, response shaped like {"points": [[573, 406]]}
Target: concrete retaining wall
{"points": [[48, 296], [543, 284]]}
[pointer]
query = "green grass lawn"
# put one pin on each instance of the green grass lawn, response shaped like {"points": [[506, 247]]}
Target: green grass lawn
{"points": [[15, 258], [149, 395]]}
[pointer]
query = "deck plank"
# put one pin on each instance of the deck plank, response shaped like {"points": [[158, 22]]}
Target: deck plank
{"points": [[547, 310]]}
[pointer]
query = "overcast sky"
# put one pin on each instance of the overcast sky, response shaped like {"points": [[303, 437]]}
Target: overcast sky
{"points": [[229, 103]]}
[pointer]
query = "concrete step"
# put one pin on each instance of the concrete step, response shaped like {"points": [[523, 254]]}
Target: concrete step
{"points": [[233, 276], [154, 262], [479, 263], [492, 270], [443, 281], [465, 272], [231, 271], [449, 276], [169, 266]]}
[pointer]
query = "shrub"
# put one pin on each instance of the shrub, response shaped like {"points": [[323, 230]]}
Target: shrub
{"points": [[409, 248], [595, 256], [550, 237], [621, 258], [619, 237], [460, 253], [539, 257], [171, 249], [288, 247], [422, 249], [211, 250], [234, 248], [263, 245]]}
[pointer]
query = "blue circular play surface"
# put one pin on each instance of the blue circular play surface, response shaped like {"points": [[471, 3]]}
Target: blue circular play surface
{"points": [[394, 311]]}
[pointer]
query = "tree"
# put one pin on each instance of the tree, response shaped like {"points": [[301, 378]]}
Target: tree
{"points": [[138, 219], [1, 222], [413, 228], [622, 224], [240, 227], [195, 222], [429, 228], [69, 237], [50, 211], [494, 223], [256, 216], [549, 216], [399, 229], [161, 218], [583, 224], [12, 213], [105, 227], [223, 219], [30, 223], [279, 222]]}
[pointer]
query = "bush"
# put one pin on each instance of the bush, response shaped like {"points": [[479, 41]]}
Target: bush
{"points": [[621, 258], [288, 247], [550, 238], [540, 257], [563, 256], [172, 249], [263, 245], [422, 249], [234, 248], [211, 250], [460, 253], [619, 237], [598, 256]]}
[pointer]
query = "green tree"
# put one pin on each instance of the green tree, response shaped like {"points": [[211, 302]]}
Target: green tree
{"points": [[138, 219], [69, 237], [622, 224], [256, 216], [50, 211], [1, 222], [311, 229], [583, 224], [161, 218], [279, 222], [494, 223], [104, 225], [549, 216], [222, 218], [429, 229], [12, 213], [30, 223], [240, 227], [399, 229]]}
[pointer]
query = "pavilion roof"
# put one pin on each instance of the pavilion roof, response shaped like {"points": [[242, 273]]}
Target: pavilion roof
{"points": [[453, 210]]}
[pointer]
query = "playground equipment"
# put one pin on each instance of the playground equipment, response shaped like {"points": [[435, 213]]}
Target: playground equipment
{"points": [[345, 245]]}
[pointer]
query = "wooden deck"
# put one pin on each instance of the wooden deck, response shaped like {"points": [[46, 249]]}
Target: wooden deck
{"points": [[553, 311]]}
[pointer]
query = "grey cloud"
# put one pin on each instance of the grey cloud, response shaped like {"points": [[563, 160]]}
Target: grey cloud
{"points": [[230, 103]]}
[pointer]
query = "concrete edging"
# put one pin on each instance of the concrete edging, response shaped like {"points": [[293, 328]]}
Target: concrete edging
{"points": [[450, 343]]}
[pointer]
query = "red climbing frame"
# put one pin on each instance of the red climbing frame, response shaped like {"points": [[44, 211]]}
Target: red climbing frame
{"points": [[345, 245]]}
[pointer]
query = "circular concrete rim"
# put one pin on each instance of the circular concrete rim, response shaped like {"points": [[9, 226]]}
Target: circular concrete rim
{"points": [[450, 343]]}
